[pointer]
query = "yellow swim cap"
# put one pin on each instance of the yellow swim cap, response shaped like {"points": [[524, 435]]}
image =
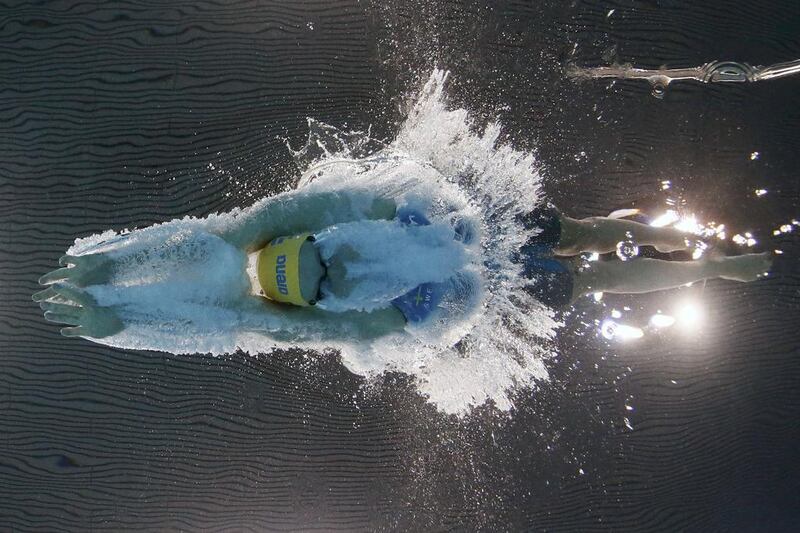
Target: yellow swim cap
{"points": [[278, 269]]}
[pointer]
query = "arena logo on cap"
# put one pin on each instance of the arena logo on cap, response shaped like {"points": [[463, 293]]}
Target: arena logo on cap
{"points": [[280, 274]]}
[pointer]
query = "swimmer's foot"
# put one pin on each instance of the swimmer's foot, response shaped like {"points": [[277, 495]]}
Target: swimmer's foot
{"points": [[744, 268]]}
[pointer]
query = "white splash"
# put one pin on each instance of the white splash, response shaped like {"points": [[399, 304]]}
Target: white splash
{"points": [[180, 288]]}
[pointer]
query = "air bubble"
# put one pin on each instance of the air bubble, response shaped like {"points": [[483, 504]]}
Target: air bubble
{"points": [[627, 250], [608, 329]]}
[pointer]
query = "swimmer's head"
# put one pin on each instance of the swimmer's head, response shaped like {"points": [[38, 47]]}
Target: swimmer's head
{"points": [[290, 270]]}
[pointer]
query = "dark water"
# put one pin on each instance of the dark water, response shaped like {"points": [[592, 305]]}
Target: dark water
{"points": [[111, 116]]}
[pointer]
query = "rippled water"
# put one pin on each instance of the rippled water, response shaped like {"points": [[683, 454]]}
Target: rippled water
{"points": [[671, 411]]}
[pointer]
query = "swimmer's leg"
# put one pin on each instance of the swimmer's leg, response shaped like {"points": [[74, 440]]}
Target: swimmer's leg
{"points": [[601, 235], [648, 275]]}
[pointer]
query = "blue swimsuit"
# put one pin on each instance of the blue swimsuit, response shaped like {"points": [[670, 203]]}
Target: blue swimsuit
{"points": [[551, 279]]}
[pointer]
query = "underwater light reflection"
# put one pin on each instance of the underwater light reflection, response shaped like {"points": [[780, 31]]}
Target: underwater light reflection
{"points": [[670, 217], [690, 315], [612, 330], [660, 321]]}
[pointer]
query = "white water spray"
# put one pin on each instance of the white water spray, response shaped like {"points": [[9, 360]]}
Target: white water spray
{"points": [[178, 286]]}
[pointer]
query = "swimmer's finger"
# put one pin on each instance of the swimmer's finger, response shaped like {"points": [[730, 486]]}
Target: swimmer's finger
{"points": [[62, 309], [76, 295], [56, 275], [50, 316], [46, 294], [72, 332], [67, 259]]}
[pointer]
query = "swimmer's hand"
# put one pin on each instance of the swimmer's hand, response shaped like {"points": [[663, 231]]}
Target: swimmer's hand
{"points": [[78, 309], [81, 270]]}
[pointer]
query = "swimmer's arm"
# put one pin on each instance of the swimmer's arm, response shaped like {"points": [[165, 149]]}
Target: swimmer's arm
{"points": [[299, 212], [313, 324], [349, 325]]}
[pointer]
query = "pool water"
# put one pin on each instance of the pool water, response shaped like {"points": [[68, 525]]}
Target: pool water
{"points": [[657, 412]]}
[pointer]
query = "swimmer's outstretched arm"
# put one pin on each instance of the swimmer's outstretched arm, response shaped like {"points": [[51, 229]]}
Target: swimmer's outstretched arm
{"points": [[85, 318], [298, 324], [296, 212]]}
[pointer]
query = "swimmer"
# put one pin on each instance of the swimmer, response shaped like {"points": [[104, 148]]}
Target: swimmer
{"points": [[290, 214], [291, 272]]}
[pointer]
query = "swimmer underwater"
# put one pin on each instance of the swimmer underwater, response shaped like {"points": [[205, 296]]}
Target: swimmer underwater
{"points": [[283, 232]]}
